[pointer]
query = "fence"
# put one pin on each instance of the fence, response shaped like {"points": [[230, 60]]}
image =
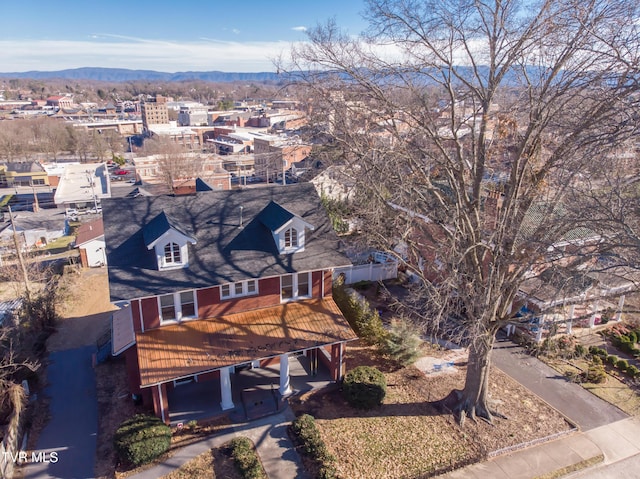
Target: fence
{"points": [[380, 267], [103, 346]]}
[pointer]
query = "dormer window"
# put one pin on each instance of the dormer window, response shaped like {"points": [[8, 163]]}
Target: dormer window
{"points": [[168, 241], [287, 228], [172, 254], [291, 238]]}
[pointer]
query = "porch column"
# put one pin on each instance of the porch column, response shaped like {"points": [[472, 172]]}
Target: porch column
{"points": [[225, 388], [572, 311], [336, 361], [160, 402], [539, 333], [592, 319], [285, 386], [620, 306]]}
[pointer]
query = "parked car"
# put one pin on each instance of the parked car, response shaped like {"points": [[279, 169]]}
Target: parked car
{"points": [[120, 172]]}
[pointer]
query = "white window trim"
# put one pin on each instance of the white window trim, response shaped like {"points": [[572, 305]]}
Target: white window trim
{"points": [[294, 245], [245, 289], [177, 304], [173, 265], [295, 295], [168, 264]]}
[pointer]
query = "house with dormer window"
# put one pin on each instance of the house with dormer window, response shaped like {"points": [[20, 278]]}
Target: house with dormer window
{"points": [[221, 280]]}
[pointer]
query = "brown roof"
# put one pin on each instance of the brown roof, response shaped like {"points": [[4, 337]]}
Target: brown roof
{"points": [[193, 347], [89, 231]]}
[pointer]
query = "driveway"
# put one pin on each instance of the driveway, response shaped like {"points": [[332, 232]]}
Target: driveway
{"points": [[72, 429], [579, 405]]}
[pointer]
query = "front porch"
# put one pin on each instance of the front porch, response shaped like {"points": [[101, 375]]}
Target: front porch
{"points": [[255, 392]]}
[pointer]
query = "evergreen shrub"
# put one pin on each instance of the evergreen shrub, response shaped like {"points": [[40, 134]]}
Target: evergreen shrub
{"points": [[403, 343], [364, 387], [307, 435], [246, 458], [141, 438]]}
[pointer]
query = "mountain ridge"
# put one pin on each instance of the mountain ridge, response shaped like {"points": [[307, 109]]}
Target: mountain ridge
{"points": [[124, 75]]}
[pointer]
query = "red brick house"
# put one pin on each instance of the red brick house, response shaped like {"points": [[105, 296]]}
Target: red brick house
{"points": [[219, 280]]}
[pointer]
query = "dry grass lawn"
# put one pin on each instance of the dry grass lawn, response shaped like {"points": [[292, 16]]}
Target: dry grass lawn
{"points": [[410, 435], [614, 390], [213, 464]]}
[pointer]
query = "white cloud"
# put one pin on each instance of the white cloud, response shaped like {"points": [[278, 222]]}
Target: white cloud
{"points": [[137, 53], [299, 29], [236, 31]]}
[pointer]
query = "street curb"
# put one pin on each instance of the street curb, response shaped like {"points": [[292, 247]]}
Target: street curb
{"points": [[579, 466]]}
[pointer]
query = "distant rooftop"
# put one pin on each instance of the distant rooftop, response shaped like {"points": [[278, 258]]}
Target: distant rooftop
{"points": [[83, 182]]}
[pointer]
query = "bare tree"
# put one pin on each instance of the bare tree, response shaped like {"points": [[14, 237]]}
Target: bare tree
{"points": [[466, 124], [12, 143], [175, 162]]}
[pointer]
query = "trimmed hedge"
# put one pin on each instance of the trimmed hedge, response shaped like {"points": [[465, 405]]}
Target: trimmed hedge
{"points": [[364, 387], [307, 436], [246, 458], [142, 438], [365, 321], [622, 364]]}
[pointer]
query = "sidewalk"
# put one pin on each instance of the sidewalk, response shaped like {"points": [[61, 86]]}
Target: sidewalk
{"points": [[269, 434], [604, 445], [72, 389]]}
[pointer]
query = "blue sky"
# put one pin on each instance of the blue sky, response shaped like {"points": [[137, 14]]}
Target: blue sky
{"points": [[163, 35]]}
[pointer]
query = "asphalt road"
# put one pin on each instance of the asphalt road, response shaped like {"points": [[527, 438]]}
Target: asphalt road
{"points": [[72, 429], [579, 405]]}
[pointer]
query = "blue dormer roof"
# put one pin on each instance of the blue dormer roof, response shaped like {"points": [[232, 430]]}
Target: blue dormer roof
{"points": [[274, 216], [157, 227]]}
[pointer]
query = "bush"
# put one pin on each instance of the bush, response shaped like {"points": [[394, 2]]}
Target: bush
{"points": [[622, 364], [141, 439], [246, 459], [307, 435], [596, 351], [364, 387], [632, 371], [402, 343], [579, 351], [612, 359], [596, 373], [364, 321]]}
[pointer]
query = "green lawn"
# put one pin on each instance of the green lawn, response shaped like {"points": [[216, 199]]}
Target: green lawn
{"points": [[61, 243]]}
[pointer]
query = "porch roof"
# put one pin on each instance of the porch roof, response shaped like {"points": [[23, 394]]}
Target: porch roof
{"points": [[193, 347]]}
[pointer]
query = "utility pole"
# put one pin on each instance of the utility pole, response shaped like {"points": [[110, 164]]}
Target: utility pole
{"points": [[36, 206], [23, 267], [93, 192]]}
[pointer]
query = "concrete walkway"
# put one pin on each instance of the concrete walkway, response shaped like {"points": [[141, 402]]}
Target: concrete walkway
{"points": [[610, 444], [71, 431], [269, 434], [579, 405]]}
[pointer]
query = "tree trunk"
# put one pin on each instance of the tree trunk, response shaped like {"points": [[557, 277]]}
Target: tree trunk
{"points": [[472, 400]]}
